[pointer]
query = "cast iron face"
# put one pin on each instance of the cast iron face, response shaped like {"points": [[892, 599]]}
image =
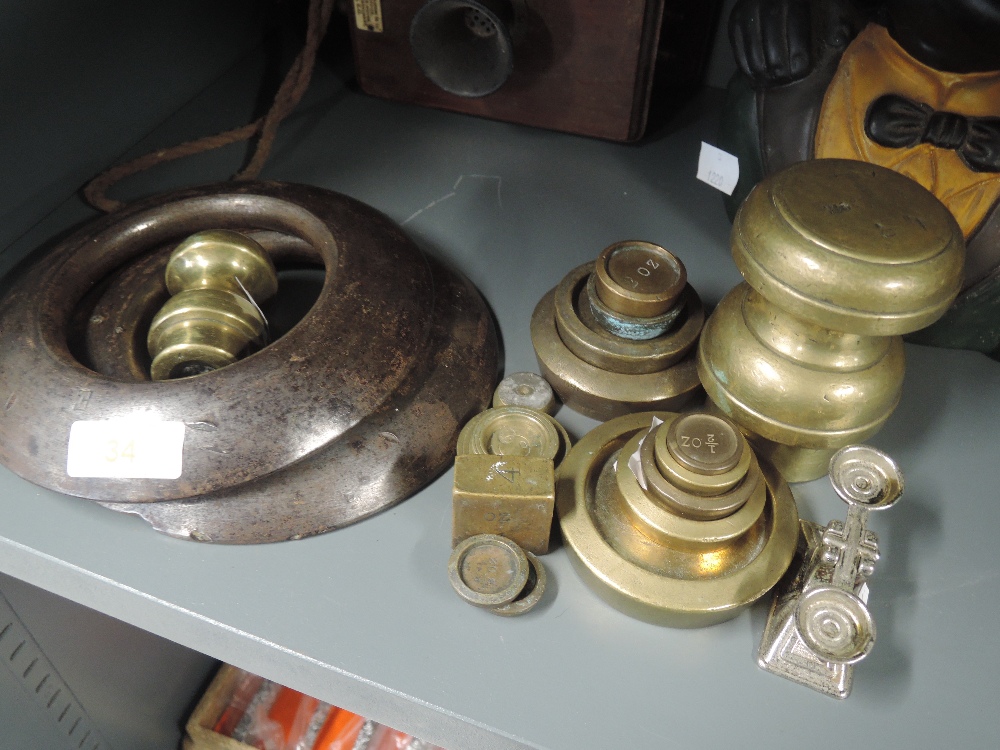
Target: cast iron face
{"points": [[355, 408]]}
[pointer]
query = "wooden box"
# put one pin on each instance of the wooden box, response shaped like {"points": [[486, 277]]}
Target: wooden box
{"points": [[579, 66]]}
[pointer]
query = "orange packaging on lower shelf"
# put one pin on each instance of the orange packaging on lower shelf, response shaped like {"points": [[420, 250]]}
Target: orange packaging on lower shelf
{"points": [[242, 711]]}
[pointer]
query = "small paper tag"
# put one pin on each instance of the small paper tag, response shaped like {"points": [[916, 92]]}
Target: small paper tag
{"points": [[125, 449], [863, 592], [633, 461], [718, 168], [368, 15]]}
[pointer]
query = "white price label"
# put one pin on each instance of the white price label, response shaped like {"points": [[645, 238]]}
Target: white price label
{"points": [[718, 168], [125, 449]]}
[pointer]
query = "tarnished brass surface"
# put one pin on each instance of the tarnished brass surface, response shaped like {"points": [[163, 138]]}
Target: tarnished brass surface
{"points": [[509, 496], [488, 570], [580, 331], [840, 258], [639, 278], [530, 595], [336, 420], [678, 519], [504, 476], [653, 563], [793, 382], [494, 573], [703, 443], [850, 246], [525, 389], [702, 453], [699, 496], [512, 431], [629, 327], [602, 374]]}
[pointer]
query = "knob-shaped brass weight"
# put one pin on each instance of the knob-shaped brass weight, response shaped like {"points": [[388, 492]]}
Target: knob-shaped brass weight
{"points": [[684, 556], [216, 277], [840, 258], [617, 335]]}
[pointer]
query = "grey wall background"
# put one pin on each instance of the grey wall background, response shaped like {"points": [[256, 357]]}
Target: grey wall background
{"points": [[82, 80]]}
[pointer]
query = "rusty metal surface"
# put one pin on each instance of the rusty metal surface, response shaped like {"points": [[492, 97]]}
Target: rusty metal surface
{"points": [[355, 408]]}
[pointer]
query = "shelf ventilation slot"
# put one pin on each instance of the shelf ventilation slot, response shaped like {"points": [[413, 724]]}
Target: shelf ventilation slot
{"points": [[22, 655]]}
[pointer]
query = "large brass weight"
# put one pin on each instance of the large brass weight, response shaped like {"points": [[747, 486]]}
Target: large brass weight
{"points": [[353, 409], [840, 258]]}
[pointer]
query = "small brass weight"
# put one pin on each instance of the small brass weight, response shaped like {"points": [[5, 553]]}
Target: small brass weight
{"points": [[819, 625], [840, 259], [505, 476], [504, 497], [617, 335], [216, 277]]}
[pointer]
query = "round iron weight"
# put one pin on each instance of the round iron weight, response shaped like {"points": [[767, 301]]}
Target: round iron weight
{"points": [[353, 409]]}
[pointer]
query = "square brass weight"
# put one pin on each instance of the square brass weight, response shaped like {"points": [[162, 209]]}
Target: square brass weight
{"points": [[513, 496]]}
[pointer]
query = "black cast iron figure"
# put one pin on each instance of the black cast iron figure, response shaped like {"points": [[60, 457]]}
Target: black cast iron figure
{"points": [[913, 85]]}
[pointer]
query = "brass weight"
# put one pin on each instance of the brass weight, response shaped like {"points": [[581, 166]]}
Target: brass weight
{"points": [[216, 278], [505, 476], [681, 556], [840, 259], [525, 389], [494, 573], [617, 335]]}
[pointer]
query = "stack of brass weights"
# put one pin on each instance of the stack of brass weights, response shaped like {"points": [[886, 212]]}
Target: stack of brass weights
{"points": [[840, 258], [671, 518], [505, 474], [503, 499], [618, 335]]}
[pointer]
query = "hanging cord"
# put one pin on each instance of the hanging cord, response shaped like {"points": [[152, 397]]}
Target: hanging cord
{"points": [[292, 88]]}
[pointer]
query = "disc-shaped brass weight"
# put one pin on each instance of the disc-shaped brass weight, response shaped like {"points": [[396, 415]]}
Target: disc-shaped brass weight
{"points": [[639, 279], [488, 570], [684, 572], [530, 595], [850, 246]]}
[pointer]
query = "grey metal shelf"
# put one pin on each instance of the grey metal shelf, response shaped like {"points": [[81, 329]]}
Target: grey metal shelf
{"points": [[365, 618]]}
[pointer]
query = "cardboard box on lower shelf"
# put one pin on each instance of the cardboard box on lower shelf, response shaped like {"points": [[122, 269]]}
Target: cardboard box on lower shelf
{"points": [[243, 711]]}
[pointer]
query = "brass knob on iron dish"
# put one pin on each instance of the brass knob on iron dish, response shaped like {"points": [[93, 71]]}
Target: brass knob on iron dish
{"points": [[840, 259], [682, 554], [216, 278], [617, 335]]}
